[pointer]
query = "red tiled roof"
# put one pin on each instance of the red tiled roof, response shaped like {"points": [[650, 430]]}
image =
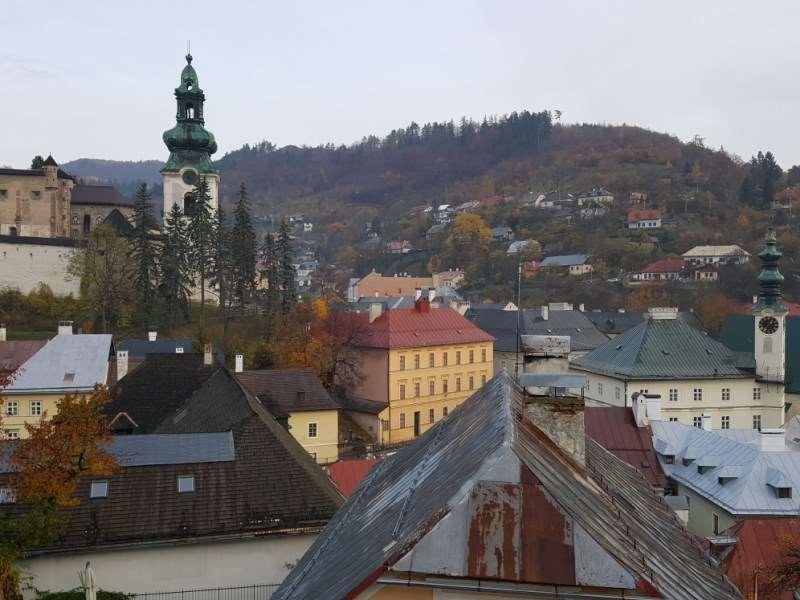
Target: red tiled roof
{"points": [[412, 328], [759, 547], [14, 353], [615, 430], [665, 265], [747, 309], [643, 215], [347, 474]]}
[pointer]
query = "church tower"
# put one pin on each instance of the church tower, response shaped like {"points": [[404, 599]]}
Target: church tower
{"points": [[770, 316], [190, 146]]}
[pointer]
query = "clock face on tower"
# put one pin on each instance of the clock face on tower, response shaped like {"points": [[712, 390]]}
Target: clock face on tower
{"points": [[189, 177], [768, 325]]}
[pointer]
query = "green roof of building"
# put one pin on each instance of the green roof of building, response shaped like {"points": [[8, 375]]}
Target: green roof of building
{"points": [[662, 349]]}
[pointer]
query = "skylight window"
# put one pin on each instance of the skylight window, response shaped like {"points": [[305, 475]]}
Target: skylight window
{"points": [[69, 377], [99, 489], [185, 484]]}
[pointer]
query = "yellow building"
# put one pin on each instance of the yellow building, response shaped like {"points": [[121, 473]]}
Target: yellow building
{"points": [[296, 397], [422, 362], [67, 364], [35, 202]]}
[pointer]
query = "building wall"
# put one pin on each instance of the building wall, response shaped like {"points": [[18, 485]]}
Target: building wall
{"points": [[580, 269], [608, 391], [325, 446], [175, 190], [374, 364], [35, 206], [24, 266], [701, 514], [172, 568], [96, 214], [16, 424]]}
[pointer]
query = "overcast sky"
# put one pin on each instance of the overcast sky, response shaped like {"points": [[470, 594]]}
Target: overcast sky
{"points": [[95, 79]]}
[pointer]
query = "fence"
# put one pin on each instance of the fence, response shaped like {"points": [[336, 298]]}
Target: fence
{"points": [[262, 591]]}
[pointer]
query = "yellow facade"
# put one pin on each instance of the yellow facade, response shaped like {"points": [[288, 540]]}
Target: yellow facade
{"points": [[426, 383], [19, 409], [317, 431], [34, 205]]}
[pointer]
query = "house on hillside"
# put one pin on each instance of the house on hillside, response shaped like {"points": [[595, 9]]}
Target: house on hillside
{"points": [[716, 255], [644, 219], [574, 264], [399, 247], [376, 285], [665, 269], [503, 233], [637, 197], [519, 246], [598, 195]]}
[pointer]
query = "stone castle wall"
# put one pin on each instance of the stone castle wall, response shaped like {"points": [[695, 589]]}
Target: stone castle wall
{"points": [[24, 264]]}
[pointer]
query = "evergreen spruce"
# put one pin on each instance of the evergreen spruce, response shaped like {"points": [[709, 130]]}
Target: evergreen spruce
{"points": [[243, 249], [143, 253], [176, 274], [219, 277], [271, 262], [286, 273], [201, 234]]}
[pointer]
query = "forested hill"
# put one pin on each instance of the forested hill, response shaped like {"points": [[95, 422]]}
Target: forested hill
{"points": [[456, 162]]}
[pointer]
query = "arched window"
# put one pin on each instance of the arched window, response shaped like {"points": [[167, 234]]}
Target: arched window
{"points": [[87, 224], [12, 231], [190, 111], [188, 204]]}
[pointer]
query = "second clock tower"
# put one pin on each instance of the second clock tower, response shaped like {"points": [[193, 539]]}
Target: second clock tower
{"points": [[770, 316]]}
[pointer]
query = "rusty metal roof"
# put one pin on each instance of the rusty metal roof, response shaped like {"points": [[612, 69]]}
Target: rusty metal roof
{"points": [[487, 495]]}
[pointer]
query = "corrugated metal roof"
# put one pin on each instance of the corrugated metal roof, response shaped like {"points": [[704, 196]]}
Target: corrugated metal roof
{"points": [[565, 260], [747, 494], [662, 349], [347, 474], [66, 363]]}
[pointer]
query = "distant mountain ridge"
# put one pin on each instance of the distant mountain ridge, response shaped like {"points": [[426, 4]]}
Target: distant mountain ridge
{"points": [[97, 170]]}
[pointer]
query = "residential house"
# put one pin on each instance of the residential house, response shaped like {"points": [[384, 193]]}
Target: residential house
{"points": [[298, 396], [638, 197], [503, 233], [518, 246], [67, 364], [704, 273], [488, 504], [467, 207], [452, 278], [14, 353], [574, 264], [376, 285], [443, 214], [716, 255], [665, 269], [399, 247], [644, 219], [598, 195], [694, 375], [420, 362], [211, 492], [729, 474]]}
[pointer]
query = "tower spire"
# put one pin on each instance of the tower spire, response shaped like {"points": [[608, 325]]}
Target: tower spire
{"points": [[770, 280]]}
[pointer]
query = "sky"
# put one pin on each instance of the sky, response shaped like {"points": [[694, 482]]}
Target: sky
{"points": [[96, 79]]}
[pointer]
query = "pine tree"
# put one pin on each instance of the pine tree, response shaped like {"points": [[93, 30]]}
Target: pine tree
{"points": [[271, 262], [286, 273], [243, 249], [219, 277], [175, 269], [143, 253], [201, 233]]}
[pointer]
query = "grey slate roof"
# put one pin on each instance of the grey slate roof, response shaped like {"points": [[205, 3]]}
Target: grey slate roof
{"points": [[67, 363], [662, 349], [565, 260], [141, 348], [172, 448], [411, 492], [731, 456]]}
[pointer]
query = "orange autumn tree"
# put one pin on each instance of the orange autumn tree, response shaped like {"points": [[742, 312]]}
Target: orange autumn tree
{"points": [[46, 469]]}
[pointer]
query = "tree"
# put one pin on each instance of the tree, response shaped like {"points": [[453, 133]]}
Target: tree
{"points": [[243, 249], [271, 268], [220, 276], [713, 309], [103, 268], [143, 253], [782, 578], [174, 266], [49, 464], [286, 273], [201, 235], [648, 295], [37, 162], [760, 184]]}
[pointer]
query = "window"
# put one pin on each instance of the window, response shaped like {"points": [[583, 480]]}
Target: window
{"points": [[185, 484], [385, 424], [402, 363], [99, 489], [458, 357], [716, 523], [458, 384], [756, 393], [617, 393], [402, 420], [189, 111], [669, 459], [36, 408], [431, 360], [431, 387], [599, 389], [673, 394], [471, 382], [483, 354], [483, 379], [444, 386], [697, 422], [757, 422], [726, 394], [402, 392], [36, 194], [767, 345], [726, 422], [781, 492], [698, 394], [416, 389], [3, 194], [444, 359], [312, 430], [416, 361], [431, 415], [12, 408], [472, 356], [444, 411], [12, 434], [673, 419]]}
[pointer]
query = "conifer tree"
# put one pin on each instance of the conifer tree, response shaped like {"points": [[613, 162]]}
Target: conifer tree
{"points": [[201, 233], [286, 273], [219, 277], [243, 249], [143, 253], [271, 262], [176, 278]]}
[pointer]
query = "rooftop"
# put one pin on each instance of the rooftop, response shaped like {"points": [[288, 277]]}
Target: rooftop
{"points": [[665, 265], [99, 195], [347, 474], [15, 352], [289, 390], [565, 260], [644, 215], [729, 250]]}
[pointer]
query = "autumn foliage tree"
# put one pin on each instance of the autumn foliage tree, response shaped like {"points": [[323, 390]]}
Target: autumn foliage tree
{"points": [[713, 309], [47, 467]]}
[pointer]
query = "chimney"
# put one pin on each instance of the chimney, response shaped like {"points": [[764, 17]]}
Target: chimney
{"points": [[239, 367], [772, 440], [178, 349], [653, 407], [662, 313], [431, 294], [375, 310], [2, 332], [417, 294], [755, 299], [122, 364], [545, 313], [208, 355], [706, 420], [152, 334], [582, 307], [422, 305], [639, 408], [65, 328]]}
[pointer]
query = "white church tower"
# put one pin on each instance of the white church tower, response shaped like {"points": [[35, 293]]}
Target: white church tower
{"points": [[770, 316], [190, 146]]}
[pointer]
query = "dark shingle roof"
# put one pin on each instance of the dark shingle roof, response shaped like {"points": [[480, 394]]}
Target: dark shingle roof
{"points": [[99, 195], [292, 390], [141, 348], [14, 353], [661, 349]]}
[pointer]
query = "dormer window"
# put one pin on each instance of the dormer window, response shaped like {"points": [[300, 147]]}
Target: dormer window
{"points": [[99, 489], [669, 459], [783, 492]]}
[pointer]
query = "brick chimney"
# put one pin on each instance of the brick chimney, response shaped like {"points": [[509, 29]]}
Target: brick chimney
{"points": [[422, 305], [122, 364]]}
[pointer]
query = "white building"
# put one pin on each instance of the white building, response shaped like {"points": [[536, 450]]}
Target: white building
{"points": [[716, 255]]}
